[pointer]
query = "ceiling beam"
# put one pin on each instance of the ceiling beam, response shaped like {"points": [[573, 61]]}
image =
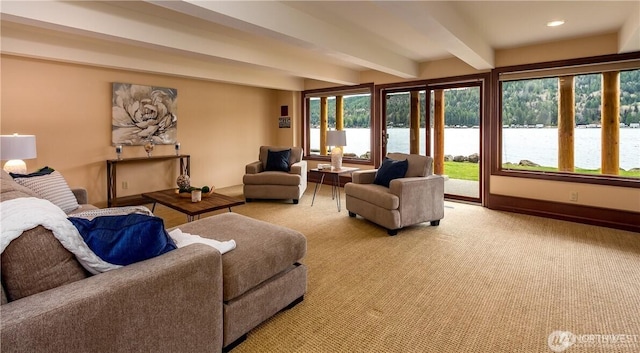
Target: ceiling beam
{"points": [[41, 44], [106, 22], [278, 20], [439, 21], [629, 35]]}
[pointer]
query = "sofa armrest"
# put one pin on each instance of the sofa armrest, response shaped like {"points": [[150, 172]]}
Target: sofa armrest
{"points": [[364, 176], [170, 303], [253, 167], [421, 198], [81, 195], [299, 168]]}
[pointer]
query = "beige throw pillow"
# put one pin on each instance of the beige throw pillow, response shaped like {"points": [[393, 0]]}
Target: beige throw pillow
{"points": [[51, 187]]}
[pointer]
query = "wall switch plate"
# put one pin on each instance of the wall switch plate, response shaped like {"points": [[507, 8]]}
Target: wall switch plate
{"points": [[573, 196]]}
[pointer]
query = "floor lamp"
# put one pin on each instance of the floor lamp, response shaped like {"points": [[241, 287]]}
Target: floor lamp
{"points": [[14, 148]]}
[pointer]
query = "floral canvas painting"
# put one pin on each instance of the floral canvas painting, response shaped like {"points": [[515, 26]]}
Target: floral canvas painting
{"points": [[142, 114]]}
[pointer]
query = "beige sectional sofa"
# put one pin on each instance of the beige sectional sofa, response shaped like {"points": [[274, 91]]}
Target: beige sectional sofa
{"points": [[192, 299]]}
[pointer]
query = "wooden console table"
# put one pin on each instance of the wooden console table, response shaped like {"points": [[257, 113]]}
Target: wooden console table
{"points": [[112, 164]]}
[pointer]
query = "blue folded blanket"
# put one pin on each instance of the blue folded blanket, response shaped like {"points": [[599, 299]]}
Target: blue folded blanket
{"points": [[125, 239]]}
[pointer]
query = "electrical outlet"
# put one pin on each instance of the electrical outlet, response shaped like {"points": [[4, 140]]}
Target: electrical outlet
{"points": [[125, 185], [573, 196]]}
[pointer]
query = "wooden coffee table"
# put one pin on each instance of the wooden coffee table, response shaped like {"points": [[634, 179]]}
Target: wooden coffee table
{"points": [[209, 203]]}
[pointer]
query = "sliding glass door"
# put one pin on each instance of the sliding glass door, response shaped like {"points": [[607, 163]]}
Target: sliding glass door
{"points": [[450, 132], [455, 115]]}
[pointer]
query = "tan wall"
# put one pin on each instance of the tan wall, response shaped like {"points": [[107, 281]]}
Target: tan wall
{"points": [[291, 136], [428, 70], [561, 50], [617, 198], [68, 108]]}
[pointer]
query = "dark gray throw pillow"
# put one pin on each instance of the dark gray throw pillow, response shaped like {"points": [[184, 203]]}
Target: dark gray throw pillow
{"points": [[389, 170], [278, 160]]}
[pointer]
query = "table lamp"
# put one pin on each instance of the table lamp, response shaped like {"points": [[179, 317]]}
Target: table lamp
{"points": [[14, 148], [336, 138]]}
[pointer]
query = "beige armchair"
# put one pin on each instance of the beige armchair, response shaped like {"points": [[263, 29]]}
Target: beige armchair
{"points": [[415, 198], [261, 181]]}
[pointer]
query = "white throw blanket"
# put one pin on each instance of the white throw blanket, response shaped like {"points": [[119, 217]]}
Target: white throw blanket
{"points": [[21, 214], [183, 239]]}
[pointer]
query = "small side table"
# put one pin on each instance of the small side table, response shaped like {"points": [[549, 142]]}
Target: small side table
{"points": [[335, 182]]}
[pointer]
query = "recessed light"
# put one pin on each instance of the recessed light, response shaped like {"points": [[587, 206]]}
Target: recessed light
{"points": [[555, 23]]}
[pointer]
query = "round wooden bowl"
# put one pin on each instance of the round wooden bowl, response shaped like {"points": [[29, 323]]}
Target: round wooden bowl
{"points": [[187, 195]]}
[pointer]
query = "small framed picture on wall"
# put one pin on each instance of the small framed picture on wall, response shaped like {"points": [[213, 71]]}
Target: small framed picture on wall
{"points": [[284, 122]]}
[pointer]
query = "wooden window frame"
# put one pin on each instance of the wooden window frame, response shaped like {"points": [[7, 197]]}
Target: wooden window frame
{"points": [[340, 90], [495, 127]]}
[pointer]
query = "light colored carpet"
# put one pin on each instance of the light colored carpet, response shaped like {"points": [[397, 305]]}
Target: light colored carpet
{"points": [[482, 281]]}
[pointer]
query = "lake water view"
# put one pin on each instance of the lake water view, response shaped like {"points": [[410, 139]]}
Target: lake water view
{"points": [[539, 145]]}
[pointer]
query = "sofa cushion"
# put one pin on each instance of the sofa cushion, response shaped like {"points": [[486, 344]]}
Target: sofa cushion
{"points": [[126, 239], [278, 161], [419, 165], [389, 170], [35, 262], [83, 208], [271, 178], [52, 187], [375, 194], [262, 251], [294, 157]]}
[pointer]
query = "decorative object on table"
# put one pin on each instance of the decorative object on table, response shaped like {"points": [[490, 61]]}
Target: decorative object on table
{"points": [[196, 195], [206, 191], [183, 181], [177, 146], [119, 151], [15, 148], [140, 113], [338, 139], [148, 147]]}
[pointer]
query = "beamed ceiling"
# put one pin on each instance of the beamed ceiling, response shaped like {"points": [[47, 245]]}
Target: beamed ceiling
{"points": [[280, 44]]}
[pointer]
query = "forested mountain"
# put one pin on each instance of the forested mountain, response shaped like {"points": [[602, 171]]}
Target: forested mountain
{"points": [[525, 102]]}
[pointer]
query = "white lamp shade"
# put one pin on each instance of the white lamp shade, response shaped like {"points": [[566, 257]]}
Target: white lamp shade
{"points": [[17, 147], [337, 138]]}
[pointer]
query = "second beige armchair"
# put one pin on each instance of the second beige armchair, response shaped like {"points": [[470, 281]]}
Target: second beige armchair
{"points": [[397, 197], [280, 173]]}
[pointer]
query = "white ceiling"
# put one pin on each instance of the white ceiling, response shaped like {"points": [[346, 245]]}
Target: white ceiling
{"points": [[279, 44]]}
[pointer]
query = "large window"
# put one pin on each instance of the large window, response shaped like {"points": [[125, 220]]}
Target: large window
{"points": [[582, 120], [345, 108]]}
